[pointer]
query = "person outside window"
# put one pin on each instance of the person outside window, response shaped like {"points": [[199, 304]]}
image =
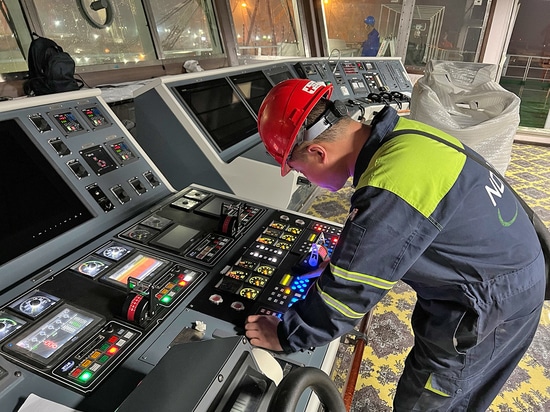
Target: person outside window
{"points": [[424, 213], [372, 44]]}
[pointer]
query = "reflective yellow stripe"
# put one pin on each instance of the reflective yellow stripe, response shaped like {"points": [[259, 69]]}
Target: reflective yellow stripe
{"points": [[429, 387], [362, 278], [339, 306]]}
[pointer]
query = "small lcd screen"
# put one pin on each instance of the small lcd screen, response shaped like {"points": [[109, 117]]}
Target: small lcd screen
{"points": [[220, 111], [176, 237], [92, 266], [34, 304], [98, 159], [51, 338], [36, 203], [214, 207], [68, 122], [140, 267], [254, 87]]}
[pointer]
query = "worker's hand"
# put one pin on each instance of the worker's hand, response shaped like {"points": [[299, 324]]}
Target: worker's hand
{"points": [[261, 330]]}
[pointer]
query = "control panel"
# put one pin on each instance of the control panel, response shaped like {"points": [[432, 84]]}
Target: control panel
{"points": [[365, 83], [104, 267]]}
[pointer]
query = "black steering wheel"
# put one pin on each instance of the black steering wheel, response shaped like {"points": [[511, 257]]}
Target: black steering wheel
{"points": [[286, 396]]}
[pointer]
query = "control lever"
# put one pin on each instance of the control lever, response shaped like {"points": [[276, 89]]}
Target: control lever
{"points": [[230, 218], [141, 303], [309, 261]]}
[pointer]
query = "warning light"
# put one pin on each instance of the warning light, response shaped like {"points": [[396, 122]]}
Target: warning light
{"points": [[112, 350], [166, 299], [85, 376], [182, 283]]}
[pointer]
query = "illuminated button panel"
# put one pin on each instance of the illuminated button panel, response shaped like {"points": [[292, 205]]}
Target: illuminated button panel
{"points": [[250, 274], [289, 290], [84, 369], [312, 233], [210, 249], [177, 282]]}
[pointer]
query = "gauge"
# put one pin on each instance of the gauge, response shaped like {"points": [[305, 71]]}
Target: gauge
{"points": [[283, 245], [259, 281], [34, 304], [115, 252], [265, 270], [92, 267], [272, 232], [249, 293], [237, 274], [9, 324], [288, 237], [245, 263], [266, 240], [277, 225]]}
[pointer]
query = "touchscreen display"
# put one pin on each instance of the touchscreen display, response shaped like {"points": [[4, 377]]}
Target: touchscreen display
{"points": [[50, 339], [140, 267]]}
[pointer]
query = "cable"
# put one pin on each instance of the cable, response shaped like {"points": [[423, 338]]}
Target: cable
{"points": [[337, 61]]}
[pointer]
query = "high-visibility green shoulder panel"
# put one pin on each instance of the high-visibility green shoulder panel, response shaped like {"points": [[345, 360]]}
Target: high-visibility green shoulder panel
{"points": [[419, 170]]}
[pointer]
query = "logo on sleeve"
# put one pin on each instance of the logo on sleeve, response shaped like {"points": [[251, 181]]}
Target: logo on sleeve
{"points": [[495, 191]]}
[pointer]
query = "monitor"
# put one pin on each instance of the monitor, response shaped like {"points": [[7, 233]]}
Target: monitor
{"points": [[227, 122], [253, 86], [37, 205]]}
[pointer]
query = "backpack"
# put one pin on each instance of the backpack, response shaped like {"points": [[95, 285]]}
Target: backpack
{"points": [[51, 70]]}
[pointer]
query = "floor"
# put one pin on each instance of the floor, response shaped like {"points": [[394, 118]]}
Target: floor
{"points": [[390, 337]]}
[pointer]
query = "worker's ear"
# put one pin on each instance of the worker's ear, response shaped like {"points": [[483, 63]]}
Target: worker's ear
{"points": [[317, 153]]}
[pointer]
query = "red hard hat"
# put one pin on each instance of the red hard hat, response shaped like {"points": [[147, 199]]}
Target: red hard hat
{"points": [[283, 113]]}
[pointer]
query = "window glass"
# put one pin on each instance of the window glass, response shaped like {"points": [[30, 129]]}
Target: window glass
{"points": [[439, 29], [11, 57], [185, 27], [446, 30], [266, 28], [526, 71], [125, 41], [346, 26]]}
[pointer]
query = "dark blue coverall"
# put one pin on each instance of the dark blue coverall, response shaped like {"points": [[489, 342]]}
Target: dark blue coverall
{"points": [[427, 214], [371, 45]]}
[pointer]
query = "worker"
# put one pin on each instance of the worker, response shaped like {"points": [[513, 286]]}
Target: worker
{"points": [[371, 45], [424, 213]]}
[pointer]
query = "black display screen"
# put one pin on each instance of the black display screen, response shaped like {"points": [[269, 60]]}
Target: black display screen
{"points": [[279, 77], [36, 203], [220, 111], [44, 343], [254, 87], [214, 206]]}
